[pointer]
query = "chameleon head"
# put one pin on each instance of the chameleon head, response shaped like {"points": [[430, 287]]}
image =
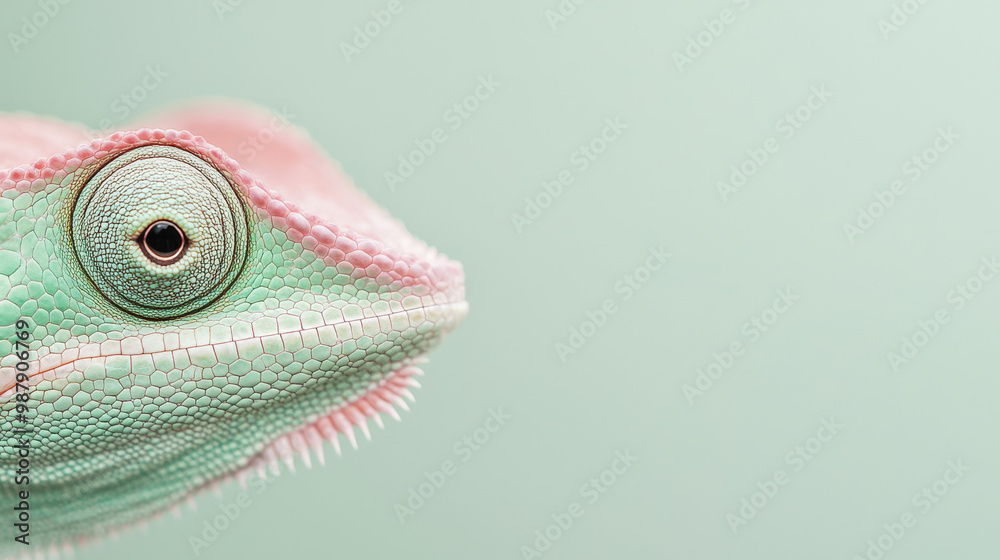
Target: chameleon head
{"points": [[187, 324]]}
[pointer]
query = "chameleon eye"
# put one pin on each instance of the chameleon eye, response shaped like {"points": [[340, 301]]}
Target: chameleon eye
{"points": [[160, 232], [163, 242]]}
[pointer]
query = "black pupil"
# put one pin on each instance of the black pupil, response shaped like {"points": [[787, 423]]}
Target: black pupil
{"points": [[164, 239]]}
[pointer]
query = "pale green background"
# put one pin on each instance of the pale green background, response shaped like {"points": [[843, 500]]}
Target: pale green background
{"points": [[655, 186]]}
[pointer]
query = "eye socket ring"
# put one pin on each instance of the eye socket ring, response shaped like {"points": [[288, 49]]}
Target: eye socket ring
{"points": [[159, 232], [163, 242]]}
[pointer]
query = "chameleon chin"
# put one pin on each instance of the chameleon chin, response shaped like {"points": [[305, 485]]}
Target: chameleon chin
{"points": [[174, 318]]}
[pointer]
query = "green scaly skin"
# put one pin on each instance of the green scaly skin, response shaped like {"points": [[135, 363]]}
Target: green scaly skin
{"points": [[149, 380]]}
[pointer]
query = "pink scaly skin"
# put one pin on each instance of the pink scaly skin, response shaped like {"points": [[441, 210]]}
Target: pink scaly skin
{"points": [[179, 323]]}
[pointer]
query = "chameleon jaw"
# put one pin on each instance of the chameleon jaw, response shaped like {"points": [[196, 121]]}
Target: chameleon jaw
{"points": [[381, 397]]}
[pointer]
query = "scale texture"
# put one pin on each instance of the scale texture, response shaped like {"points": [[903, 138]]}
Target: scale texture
{"points": [[279, 326]]}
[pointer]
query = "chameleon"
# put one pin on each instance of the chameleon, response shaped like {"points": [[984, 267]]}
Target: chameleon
{"points": [[171, 321]]}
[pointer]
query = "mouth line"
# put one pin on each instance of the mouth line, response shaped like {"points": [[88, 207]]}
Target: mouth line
{"points": [[443, 315]]}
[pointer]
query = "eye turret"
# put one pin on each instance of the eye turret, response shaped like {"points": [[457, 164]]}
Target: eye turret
{"points": [[160, 232]]}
